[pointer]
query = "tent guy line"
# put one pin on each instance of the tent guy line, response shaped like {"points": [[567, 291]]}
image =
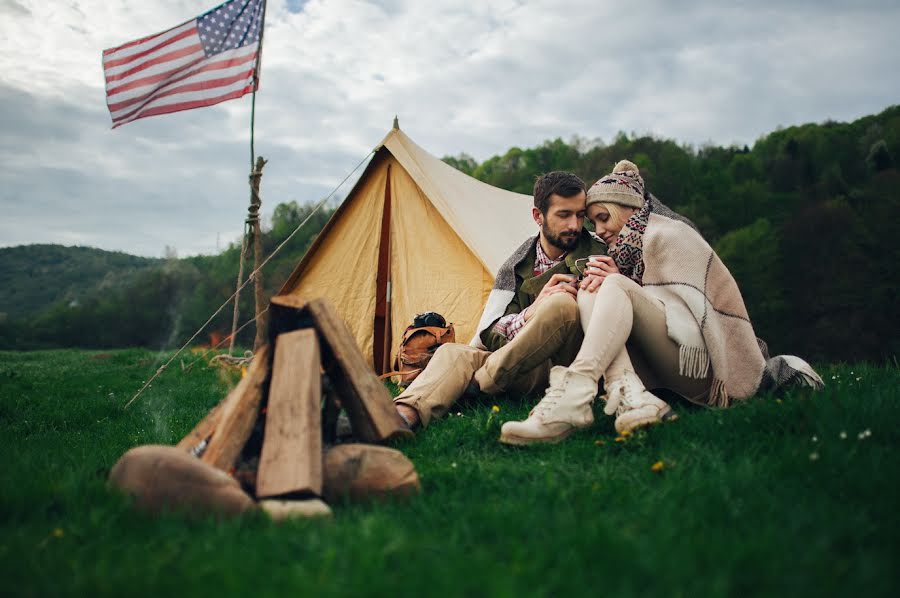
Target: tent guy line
{"points": [[251, 277]]}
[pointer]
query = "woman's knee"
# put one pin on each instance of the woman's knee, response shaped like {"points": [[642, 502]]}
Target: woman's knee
{"points": [[621, 281]]}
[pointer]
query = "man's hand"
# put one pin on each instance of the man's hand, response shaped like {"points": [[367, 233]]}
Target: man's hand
{"points": [[558, 283], [597, 269]]}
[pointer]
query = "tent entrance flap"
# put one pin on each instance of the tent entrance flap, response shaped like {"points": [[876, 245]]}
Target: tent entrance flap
{"points": [[382, 325]]}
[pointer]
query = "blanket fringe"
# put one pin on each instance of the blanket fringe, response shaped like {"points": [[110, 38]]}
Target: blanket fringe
{"points": [[693, 362], [718, 395]]}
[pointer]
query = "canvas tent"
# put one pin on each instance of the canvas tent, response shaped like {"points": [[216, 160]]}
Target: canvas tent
{"points": [[413, 235]]}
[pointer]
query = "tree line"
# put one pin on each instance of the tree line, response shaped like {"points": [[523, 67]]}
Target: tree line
{"points": [[805, 219]]}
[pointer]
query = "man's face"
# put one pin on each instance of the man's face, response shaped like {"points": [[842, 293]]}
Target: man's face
{"points": [[562, 224]]}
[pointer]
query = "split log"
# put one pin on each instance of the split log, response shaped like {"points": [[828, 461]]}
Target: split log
{"points": [[291, 458], [238, 414], [165, 478], [279, 510], [368, 403], [367, 471]]}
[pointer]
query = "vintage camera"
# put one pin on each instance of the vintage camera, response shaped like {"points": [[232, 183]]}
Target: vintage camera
{"points": [[429, 318]]}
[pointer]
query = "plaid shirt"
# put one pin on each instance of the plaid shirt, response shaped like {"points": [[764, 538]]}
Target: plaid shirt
{"points": [[510, 325]]}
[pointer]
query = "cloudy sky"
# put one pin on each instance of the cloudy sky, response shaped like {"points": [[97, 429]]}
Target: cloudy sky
{"points": [[476, 77]]}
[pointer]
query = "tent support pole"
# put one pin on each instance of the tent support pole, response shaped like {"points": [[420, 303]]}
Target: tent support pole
{"points": [[386, 350]]}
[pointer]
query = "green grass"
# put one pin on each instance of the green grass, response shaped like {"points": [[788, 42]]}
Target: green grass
{"points": [[742, 506]]}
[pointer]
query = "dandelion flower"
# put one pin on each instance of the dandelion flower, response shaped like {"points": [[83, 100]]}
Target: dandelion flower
{"points": [[779, 401], [495, 409], [657, 467], [620, 439], [814, 456], [626, 433], [58, 533]]}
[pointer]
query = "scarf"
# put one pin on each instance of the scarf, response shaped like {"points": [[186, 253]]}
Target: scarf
{"points": [[628, 248]]}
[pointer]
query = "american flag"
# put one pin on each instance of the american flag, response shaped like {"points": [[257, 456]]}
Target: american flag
{"points": [[205, 61]]}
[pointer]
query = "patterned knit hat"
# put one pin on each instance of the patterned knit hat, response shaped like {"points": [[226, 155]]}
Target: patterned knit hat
{"points": [[624, 186]]}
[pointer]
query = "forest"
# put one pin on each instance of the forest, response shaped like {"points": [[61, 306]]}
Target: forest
{"points": [[804, 219]]}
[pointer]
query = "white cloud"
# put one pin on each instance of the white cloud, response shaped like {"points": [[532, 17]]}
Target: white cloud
{"points": [[462, 76]]}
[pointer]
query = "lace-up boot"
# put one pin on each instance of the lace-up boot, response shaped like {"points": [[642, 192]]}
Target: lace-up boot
{"points": [[633, 405], [566, 406]]}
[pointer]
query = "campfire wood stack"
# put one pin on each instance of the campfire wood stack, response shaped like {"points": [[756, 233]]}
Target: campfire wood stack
{"points": [[276, 430]]}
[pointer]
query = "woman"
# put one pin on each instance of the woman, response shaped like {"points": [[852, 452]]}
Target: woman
{"points": [[664, 292]]}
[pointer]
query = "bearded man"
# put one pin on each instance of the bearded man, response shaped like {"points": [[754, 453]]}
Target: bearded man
{"points": [[530, 322]]}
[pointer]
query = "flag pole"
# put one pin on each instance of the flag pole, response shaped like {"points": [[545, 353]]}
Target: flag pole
{"points": [[251, 224]]}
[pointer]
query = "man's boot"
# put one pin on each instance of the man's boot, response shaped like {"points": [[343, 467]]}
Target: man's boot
{"points": [[633, 405], [566, 406]]}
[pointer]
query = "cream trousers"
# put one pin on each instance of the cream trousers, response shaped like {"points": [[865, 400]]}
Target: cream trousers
{"points": [[621, 312], [552, 336]]}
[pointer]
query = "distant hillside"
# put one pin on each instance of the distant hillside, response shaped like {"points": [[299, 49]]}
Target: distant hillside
{"points": [[54, 296], [38, 276]]}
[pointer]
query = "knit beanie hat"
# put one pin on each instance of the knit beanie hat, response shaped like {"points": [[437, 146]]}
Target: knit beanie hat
{"points": [[624, 186]]}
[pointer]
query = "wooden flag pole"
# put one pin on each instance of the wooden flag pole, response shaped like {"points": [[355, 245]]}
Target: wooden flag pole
{"points": [[254, 230], [251, 225]]}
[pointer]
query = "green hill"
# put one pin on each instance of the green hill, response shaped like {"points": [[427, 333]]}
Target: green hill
{"points": [[38, 276], [57, 296]]}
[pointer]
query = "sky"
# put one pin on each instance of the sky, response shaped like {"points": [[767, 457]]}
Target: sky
{"points": [[473, 77]]}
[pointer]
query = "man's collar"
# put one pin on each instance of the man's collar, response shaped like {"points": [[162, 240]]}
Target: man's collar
{"points": [[543, 257]]}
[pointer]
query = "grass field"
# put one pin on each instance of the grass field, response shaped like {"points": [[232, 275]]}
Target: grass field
{"points": [[797, 495]]}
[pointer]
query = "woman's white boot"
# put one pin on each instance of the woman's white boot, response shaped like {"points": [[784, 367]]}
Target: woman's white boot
{"points": [[633, 405], [566, 407]]}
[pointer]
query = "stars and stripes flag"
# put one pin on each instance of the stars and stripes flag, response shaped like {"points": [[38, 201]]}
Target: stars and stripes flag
{"points": [[200, 63]]}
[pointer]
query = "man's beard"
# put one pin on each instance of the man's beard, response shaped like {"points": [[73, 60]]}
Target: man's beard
{"points": [[566, 243]]}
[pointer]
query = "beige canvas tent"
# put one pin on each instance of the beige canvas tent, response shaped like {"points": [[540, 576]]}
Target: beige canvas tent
{"points": [[413, 235]]}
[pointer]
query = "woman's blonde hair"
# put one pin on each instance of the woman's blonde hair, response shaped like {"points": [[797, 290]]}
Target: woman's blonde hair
{"points": [[618, 214]]}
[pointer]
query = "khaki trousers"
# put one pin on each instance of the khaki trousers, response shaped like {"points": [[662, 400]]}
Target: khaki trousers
{"points": [[552, 336], [625, 329]]}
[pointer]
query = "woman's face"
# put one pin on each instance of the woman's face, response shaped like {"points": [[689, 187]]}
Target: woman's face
{"points": [[607, 224]]}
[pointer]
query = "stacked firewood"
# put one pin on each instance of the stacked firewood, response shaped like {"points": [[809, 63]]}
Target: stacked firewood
{"points": [[299, 431]]}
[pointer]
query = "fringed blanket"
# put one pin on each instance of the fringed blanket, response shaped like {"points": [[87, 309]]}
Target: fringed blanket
{"points": [[706, 316]]}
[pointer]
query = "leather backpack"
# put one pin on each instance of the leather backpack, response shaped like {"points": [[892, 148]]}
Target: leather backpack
{"points": [[420, 340]]}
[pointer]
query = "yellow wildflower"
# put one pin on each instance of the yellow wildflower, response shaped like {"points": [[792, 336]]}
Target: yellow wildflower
{"points": [[620, 439], [495, 409], [599, 442], [657, 467], [58, 533]]}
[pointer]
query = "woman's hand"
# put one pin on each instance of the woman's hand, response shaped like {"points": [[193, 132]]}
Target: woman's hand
{"points": [[597, 269]]}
